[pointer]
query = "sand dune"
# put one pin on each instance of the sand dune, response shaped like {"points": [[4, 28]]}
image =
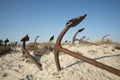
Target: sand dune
{"points": [[13, 66]]}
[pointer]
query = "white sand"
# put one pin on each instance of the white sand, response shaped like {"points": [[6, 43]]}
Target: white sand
{"points": [[14, 67]]}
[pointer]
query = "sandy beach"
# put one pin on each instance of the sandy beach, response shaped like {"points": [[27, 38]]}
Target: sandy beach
{"points": [[13, 66]]}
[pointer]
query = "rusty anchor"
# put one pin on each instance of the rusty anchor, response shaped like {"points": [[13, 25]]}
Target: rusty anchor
{"points": [[58, 48], [27, 54], [74, 37]]}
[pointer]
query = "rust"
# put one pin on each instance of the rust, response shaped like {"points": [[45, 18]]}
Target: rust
{"points": [[6, 41], [27, 54], [82, 39], [35, 41], [58, 48], [102, 40], [74, 37], [51, 38]]}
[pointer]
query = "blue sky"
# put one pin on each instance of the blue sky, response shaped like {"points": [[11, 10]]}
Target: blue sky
{"points": [[48, 17]]}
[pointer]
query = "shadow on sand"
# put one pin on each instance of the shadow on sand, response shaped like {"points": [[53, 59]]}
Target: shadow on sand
{"points": [[102, 57]]}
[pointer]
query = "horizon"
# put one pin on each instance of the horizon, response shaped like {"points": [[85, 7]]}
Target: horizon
{"points": [[47, 18]]}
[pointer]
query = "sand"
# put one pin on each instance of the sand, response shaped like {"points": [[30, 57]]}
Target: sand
{"points": [[13, 66]]}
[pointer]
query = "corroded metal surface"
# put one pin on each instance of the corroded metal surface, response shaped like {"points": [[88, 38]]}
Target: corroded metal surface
{"points": [[58, 48], [35, 41], [33, 59], [27, 54], [102, 40], [51, 38], [74, 37], [6, 41]]}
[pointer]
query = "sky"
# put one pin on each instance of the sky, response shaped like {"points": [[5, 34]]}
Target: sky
{"points": [[48, 17]]}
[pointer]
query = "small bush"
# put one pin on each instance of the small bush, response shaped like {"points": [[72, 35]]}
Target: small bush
{"points": [[40, 48], [105, 41], [4, 50], [117, 47], [32, 47], [44, 48]]}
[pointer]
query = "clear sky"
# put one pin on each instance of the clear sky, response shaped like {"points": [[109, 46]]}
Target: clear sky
{"points": [[48, 17]]}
